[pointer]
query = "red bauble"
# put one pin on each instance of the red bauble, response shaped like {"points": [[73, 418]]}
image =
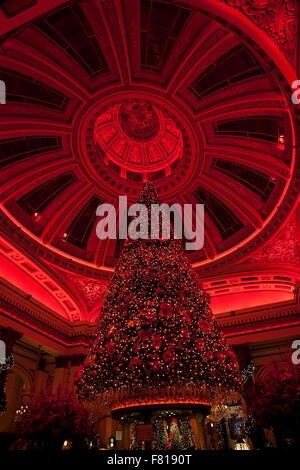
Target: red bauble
{"points": [[110, 347], [187, 318], [136, 361], [142, 335], [186, 333], [100, 350], [78, 374], [149, 314], [204, 325], [167, 356], [209, 355], [156, 341], [166, 310]]}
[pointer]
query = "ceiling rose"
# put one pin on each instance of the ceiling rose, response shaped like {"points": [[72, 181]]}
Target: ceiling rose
{"points": [[135, 136], [139, 120]]}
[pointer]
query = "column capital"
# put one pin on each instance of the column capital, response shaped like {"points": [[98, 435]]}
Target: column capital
{"points": [[77, 359], [9, 336], [62, 361], [243, 354]]}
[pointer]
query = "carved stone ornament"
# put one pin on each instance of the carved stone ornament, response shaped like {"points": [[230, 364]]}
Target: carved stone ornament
{"points": [[278, 18]]}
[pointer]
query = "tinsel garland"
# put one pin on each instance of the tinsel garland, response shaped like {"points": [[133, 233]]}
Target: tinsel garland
{"points": [[157, 340], [186, 393]]}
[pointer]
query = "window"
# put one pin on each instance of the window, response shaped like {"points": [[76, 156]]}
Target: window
{"points": [[70, 29], [236, 65], [17, 149], [24, 89], [14, 7], [134, 176], [224, 219], [80, 229], [157, 175], [259, 183], [161, 25], [254, 127], [40, 197]]}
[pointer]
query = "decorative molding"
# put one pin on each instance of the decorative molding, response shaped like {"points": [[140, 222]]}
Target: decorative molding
{"points": [[92, 291], [49, 283], [262, 325], [284, 248], [18, 237], [9, 336], [278, 18], [45, 323], [260, 320], [69, 335]]}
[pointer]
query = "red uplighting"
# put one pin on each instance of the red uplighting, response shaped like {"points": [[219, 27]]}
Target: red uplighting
{"points": [[161, 402], [135, 136]]}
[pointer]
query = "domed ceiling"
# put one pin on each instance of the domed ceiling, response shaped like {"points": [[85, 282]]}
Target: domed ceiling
{"points": [[103, 96], [138, 141]]}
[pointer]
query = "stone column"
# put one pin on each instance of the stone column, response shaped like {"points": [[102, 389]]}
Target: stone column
{"points": [[60, 374], [126, 436], [195, 431], [200, 417], [243, 354], [76, 361], [40, 378], [106, 429]]}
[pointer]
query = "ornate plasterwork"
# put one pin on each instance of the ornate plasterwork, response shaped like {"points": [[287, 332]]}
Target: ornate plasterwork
{"points": [[92, 291], [51, 246], [41, 277], [20, 238], [278, 18], [70, 335], [284, 248], [139, 119], [261, 322], [65, 333]]}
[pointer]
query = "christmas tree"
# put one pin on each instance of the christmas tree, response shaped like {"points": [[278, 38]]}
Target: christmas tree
{"points": [[157, 340]]}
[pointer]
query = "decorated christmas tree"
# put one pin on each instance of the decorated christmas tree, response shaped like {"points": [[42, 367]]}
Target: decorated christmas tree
{"points": [[157, 340]]}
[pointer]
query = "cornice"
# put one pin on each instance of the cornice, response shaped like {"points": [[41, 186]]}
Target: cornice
{"points": [[51, 326], [43, 321], [268, 318]]}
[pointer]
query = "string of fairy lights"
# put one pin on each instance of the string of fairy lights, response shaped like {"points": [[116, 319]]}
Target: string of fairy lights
{"points": [[156, 328]]}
